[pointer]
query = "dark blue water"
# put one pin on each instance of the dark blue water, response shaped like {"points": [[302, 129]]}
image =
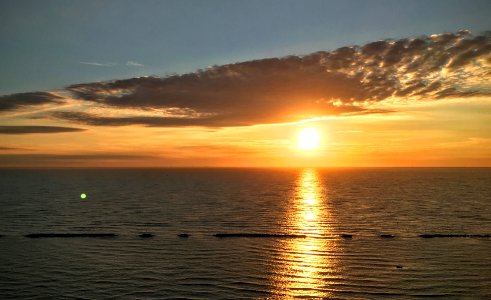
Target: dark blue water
{"points": [[319, 203]]}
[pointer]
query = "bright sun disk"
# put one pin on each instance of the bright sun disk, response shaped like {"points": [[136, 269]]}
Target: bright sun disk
{"points": [[309, 139]]}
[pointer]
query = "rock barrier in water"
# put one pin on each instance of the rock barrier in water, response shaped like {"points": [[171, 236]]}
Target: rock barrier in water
{"points": [[145, 235], [258, 235], [438, 235], [69, 235], [387, 236], [244, 235]]}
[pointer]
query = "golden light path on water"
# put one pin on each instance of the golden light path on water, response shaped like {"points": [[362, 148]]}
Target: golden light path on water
{"points": [[307, 259]]}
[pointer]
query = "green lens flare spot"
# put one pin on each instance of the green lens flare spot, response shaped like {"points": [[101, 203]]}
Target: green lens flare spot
{"points": [[83, 196]]}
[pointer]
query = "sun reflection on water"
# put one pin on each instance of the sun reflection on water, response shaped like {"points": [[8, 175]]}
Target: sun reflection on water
{"points": [[307, 260]]}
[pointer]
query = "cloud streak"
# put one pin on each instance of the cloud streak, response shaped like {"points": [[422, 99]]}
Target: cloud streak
{"points": [[97, 64], [134, 64], [77, 160], [11, 148], [129, 63], [36, 129], [16, 101]]}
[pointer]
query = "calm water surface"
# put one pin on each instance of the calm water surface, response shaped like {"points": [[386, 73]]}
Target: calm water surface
{"points": [[319, 203]]}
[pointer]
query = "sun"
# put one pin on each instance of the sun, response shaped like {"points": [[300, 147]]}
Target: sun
{"points": [[309, 139]]}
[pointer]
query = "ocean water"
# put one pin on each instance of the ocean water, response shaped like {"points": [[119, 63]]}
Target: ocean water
{"points": [[319, 203]]}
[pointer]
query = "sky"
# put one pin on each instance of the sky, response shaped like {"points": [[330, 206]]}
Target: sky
{"points": [[233, 83]]}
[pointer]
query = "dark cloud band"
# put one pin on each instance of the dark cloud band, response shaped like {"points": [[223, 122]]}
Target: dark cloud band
{"points": [[16, 101], [36, 129], [53, 160]]}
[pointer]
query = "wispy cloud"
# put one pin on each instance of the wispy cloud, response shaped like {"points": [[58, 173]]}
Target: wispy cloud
{"points": [[97, 64], [129, 63], [134, 64], [46, 159]]}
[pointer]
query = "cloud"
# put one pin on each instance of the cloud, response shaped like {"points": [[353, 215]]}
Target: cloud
{"points": [[16, 101], [51, 160], [97, 64], [343, 81], [112, 64], [228, 120], [150, 121], [353, 80], [12, 148], [36, 129], [134, 64], [75, 156]]}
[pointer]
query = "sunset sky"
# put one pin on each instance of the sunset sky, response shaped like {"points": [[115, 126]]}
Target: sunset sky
{"points": [[233, 83]]}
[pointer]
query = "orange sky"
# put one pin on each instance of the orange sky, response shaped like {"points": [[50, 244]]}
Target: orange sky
{"points": [[453, 133], [373, 108]]}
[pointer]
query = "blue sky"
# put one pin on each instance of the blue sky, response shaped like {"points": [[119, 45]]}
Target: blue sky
{"points": [[50, 44]]}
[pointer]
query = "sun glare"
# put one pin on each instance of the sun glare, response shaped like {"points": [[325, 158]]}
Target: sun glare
{"points": [[309, 139]]}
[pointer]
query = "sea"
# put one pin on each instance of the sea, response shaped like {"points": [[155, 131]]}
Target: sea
{"points": [[321, 233]]}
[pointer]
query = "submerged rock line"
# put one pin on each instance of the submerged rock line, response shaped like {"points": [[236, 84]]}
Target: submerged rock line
{"points": [[68, 235], [438, 235], [259, 235]]}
